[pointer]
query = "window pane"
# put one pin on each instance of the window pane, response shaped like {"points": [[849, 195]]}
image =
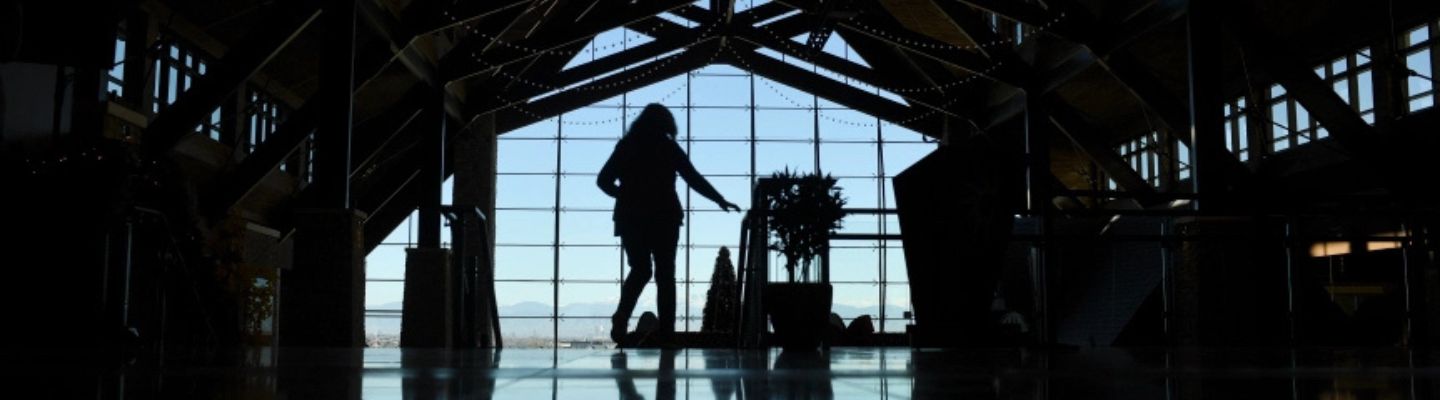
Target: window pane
{"points": [[720, 90], [584, 333], [729, 123], [1420, 63], [524, 227], [897, 302], [798, 125], [524, 333], [670, 92], [1280, 120], [1302, 119], [899, 156], [854, 264], [524, 299], [1418, 35], [853, 300], [849, 159], [1277, 91], [1342, 88], [579, 300], [774, 157], [848, 126], [515, 262], [386, 262], [384, 295], [595, 122], [734, 189], [860, 192], [591, 263], [772, 94], [1339, 66], [585, 155], [1421, 103], [714, 228], [865, 224], [541, 129], [579, 192], [587, 228], [1365, 85], [524, 191], [1229, 135], [721, 158], [526, 156]]}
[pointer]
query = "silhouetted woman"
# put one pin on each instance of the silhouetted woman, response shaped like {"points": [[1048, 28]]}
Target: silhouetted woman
{"points": [[647, 210]]}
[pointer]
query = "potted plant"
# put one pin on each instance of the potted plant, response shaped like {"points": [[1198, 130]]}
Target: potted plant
{"points": [[803, 210]]}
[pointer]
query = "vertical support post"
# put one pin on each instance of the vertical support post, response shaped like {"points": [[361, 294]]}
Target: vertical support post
{"points": [[1037, 166], [140, 33], [336, 98], [323, 296], [1387, 80], [475, 179], [430, 295], [432, 173], [1203, 28]]}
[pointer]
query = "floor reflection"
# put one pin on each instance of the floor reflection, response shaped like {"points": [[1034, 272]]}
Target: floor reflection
{"points": [[841, 373]]}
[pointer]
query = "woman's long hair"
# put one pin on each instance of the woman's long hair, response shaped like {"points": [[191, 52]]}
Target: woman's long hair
{"points": [[654, 122]]}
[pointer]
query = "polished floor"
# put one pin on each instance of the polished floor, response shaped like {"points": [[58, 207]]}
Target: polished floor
{"points": [[841, 373]]}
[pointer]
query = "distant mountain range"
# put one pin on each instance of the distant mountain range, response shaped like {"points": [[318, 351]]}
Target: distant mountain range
{"points": [[582, 325]]}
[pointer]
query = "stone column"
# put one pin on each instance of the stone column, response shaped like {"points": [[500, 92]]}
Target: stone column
{"points": [[475, 179], [322, 297], [427, 320]]}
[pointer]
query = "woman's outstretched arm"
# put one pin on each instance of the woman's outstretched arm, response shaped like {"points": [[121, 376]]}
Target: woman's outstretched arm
{"points": [[702, 186]]}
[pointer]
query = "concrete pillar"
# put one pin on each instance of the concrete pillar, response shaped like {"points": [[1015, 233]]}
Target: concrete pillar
{"points": [[1230, 283], [429, 292], [432, 172], [322, 297], [1230, 291], [475, 179]]}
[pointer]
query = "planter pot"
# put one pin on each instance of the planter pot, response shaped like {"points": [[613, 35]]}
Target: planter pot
{"points": [[799, 312]]}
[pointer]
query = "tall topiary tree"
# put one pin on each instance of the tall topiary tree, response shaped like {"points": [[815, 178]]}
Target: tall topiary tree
{"points": [[720, 301]]}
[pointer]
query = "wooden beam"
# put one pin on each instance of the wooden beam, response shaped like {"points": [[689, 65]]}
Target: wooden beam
{"points": [[604, 65], [693, 13], [470, 58], [927, 47], [430, 17], [849, 69], [841, 93], [390, 214], [1066, 24], [238, 65], [645, 74], [1096, 145]]}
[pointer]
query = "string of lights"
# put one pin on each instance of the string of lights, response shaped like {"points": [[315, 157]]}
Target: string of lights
{"points": [[590, 87], [777, 91], [939, 88], [947, 46], [521, 108]]}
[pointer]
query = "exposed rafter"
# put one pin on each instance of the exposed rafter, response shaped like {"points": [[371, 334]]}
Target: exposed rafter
{"points": [[655, 71], [918, 119], [470, 59], [428, 17]]}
